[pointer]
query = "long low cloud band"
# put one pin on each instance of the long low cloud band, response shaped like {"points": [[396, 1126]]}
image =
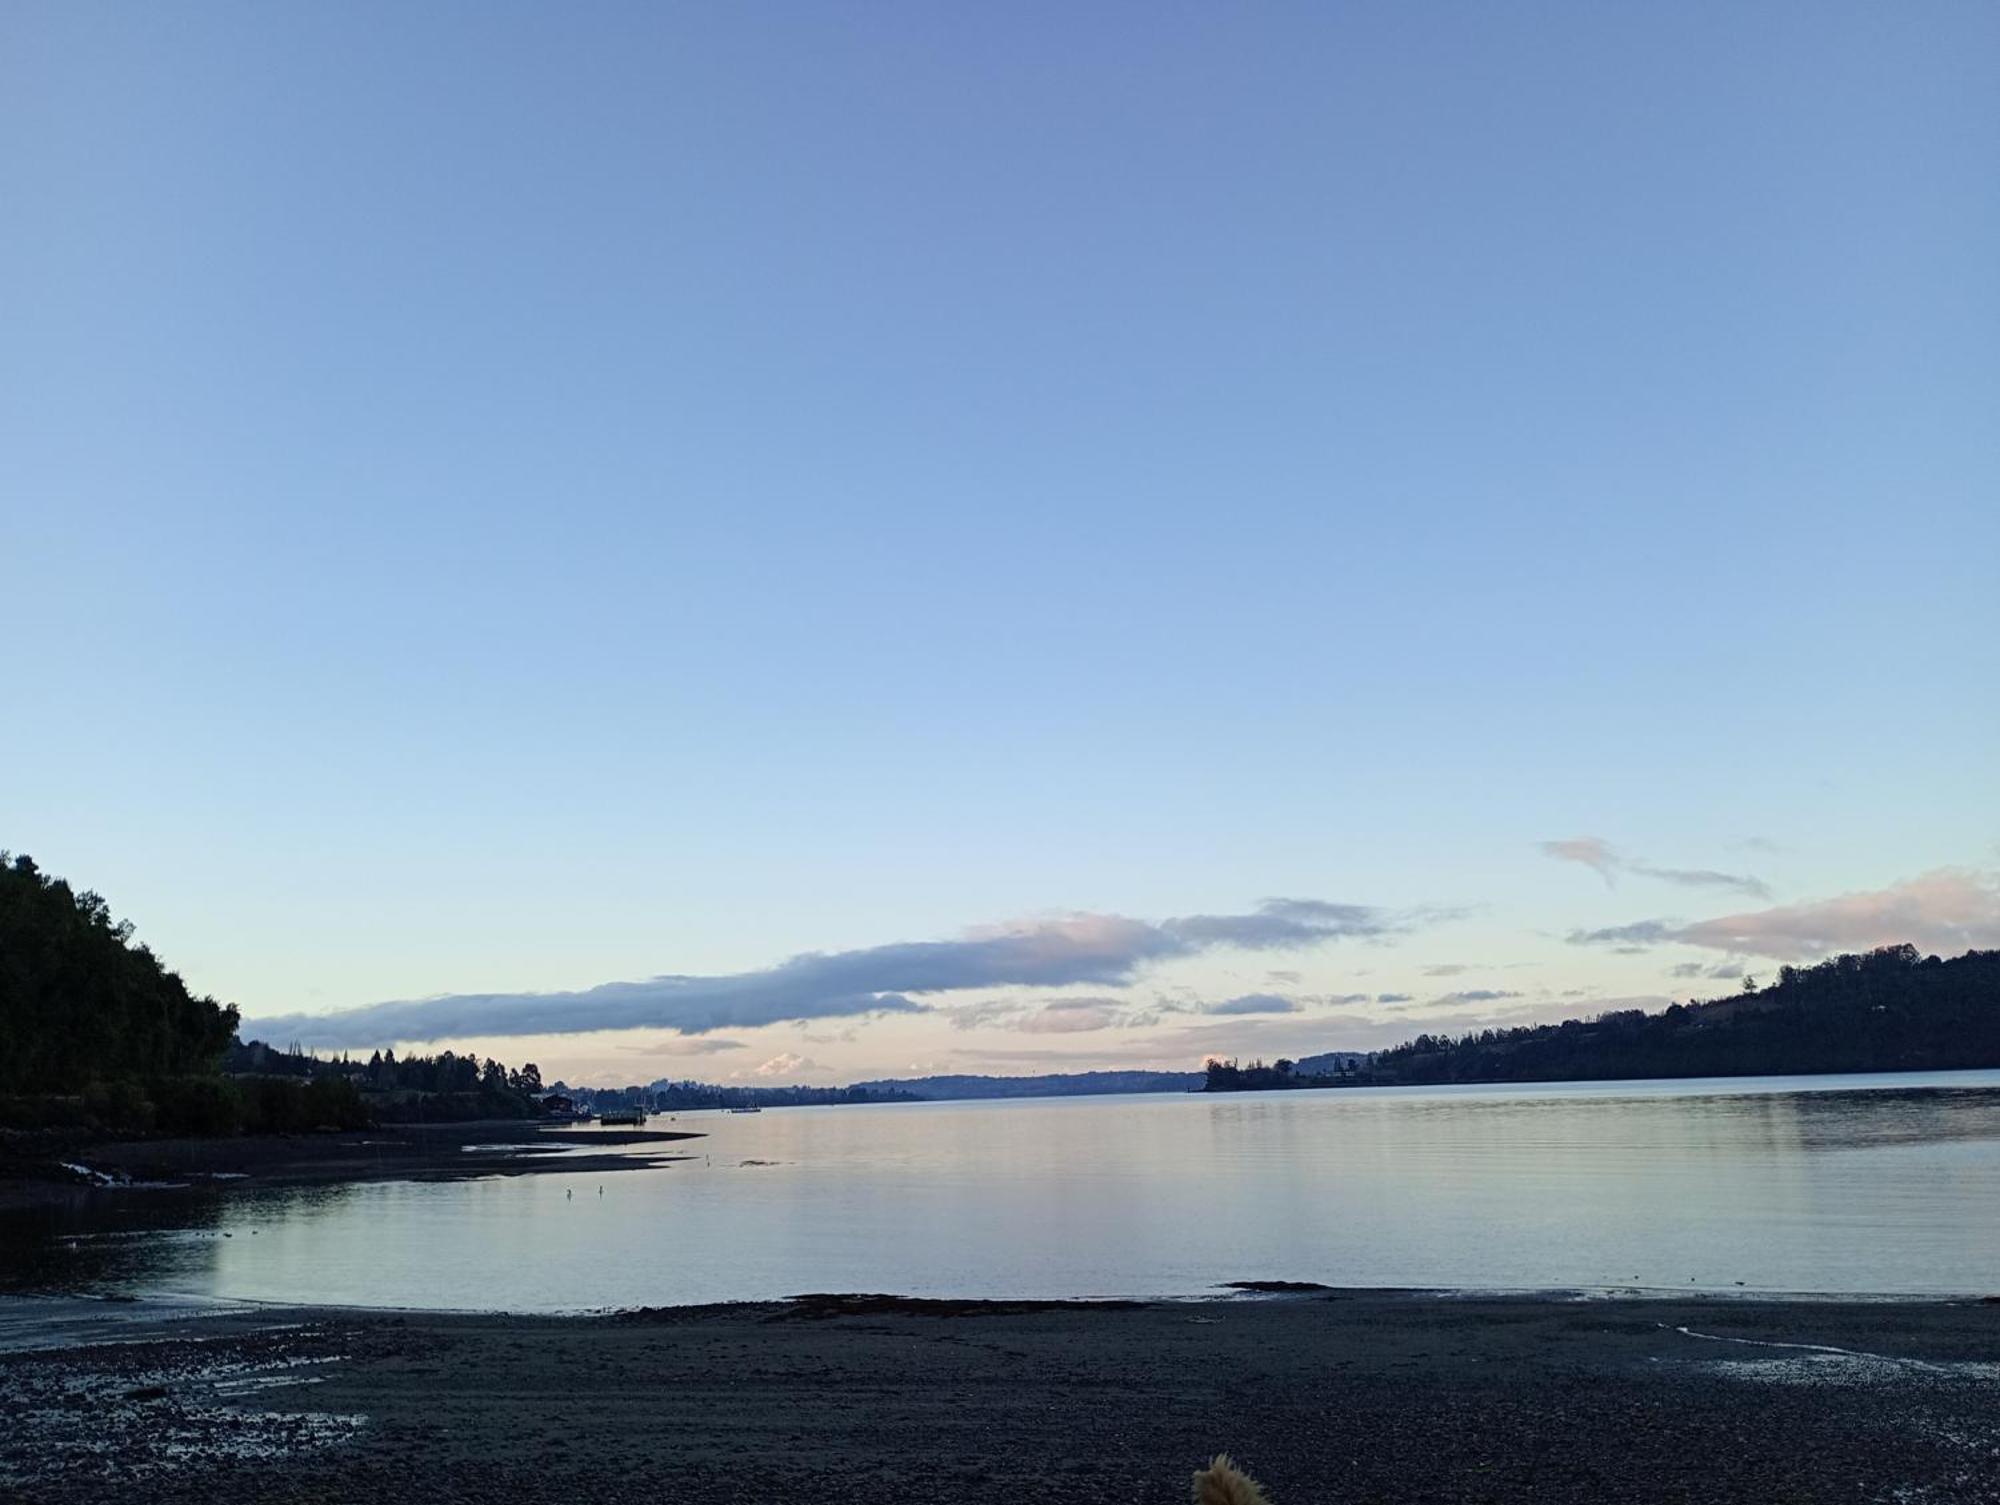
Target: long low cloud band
{"points": [[1102, 949]]}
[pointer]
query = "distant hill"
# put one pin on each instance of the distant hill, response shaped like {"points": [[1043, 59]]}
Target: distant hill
{"points": [[1332, 1062], [1058, 1084], [1886, 1010]]}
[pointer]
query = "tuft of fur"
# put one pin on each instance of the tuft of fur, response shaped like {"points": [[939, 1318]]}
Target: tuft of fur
{"points": [[1223, 1483]]}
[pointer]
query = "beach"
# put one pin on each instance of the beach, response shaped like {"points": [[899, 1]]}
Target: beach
{"points": [[1325, 1395]]}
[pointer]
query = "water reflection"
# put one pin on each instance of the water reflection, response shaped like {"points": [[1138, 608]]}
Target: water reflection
{"points": [[1889, 1185]]}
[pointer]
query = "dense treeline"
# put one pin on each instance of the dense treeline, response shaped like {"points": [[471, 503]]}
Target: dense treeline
{"points": [[1233, 1076], [1886, 1010], [1055, 1084], [444, 1088], [97, 1034], [666, 1096], [81, 1005]]}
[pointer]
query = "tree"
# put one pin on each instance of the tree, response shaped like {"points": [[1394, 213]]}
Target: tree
{"points": [[81, 1004]]}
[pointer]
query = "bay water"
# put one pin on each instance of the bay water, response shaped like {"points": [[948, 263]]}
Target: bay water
{"points": [[1883, 1185]]}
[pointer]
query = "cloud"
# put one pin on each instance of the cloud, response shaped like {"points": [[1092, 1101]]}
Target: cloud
{"points": [[1705, 969], [826, 1037], [688, 1045], [1446, 969], [1597, 854], [1279, 924], [1592, 851], [785, 1063], [1394, 998], [1638, 933], [1084, 948], [1028, 1056], [986, 1013], [1945, 911], [1072, 1016], [1697, 877], [1066, 1016], [1254, 1003], [1476, 995]]}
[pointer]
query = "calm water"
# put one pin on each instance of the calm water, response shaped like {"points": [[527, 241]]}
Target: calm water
{"points": [[1842, 1184]]}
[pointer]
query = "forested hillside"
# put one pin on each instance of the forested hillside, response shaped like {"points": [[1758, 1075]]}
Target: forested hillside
{"points": [[1886, 1010], [81, 1004], [97, 1033]]}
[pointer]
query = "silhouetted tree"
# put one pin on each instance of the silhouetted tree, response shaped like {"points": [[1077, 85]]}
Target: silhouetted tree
{"points": [[81, 1004]]}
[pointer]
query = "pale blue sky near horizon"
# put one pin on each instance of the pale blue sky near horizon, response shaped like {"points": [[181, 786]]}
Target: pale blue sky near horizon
{"points": [[505, 498]]}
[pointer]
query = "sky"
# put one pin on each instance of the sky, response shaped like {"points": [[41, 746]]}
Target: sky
{"points": [[798, 543]]}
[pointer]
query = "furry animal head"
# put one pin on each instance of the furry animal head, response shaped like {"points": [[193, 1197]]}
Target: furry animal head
{"points": [[1223, 1483]]}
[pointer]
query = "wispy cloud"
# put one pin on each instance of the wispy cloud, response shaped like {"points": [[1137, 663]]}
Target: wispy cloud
{"points": [[688, 1045], [1638, 933], [1597, 854], [1946, 911], [985, 1013], [1254, 1003], [1280, 925], [1047, 953], [1077, 1015], [1072, 1016], [1592, 851], [1701, 877]]}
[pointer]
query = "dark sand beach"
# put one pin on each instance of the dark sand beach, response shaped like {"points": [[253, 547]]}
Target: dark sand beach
{"points": [[1326, 1395]]}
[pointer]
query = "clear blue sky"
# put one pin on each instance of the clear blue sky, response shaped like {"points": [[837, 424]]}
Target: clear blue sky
{"points": [[502, 498]]}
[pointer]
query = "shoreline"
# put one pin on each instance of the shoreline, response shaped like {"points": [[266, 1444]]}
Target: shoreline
{"points": [[110, 1310], [1323, 1394], [44, 1174]]}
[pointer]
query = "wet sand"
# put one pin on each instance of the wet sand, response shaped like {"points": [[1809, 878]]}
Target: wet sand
{"points": [[1326, 1395]]}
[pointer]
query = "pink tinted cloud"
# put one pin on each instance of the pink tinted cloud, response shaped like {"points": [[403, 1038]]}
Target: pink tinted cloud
{"points": [[1594, 852], [1945, 911], [785, 1063]]}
